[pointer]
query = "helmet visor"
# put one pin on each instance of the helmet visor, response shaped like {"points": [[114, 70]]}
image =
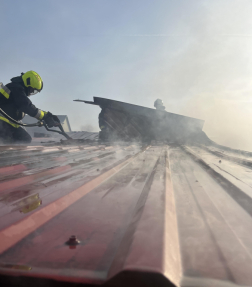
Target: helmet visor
{"points": [[33, 92]]}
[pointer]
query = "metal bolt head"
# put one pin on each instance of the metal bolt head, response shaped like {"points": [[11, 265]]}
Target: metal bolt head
{"points": [[72, 241]]}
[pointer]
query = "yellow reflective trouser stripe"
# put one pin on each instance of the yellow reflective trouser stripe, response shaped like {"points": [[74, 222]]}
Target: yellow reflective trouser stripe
{"points": [[9, 122], [2, 91]]}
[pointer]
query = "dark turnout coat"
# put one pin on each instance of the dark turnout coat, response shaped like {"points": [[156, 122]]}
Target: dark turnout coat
{"points": [[18, 104]]}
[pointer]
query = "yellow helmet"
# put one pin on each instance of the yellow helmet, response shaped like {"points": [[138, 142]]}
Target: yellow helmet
{"points": [[33, 80]]}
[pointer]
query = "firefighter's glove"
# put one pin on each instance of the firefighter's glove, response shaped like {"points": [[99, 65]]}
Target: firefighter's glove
{"points": [[51, 120]]}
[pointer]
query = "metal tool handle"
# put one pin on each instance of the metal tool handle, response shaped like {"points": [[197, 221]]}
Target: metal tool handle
{"points": [[38, 124], [62, 132]]}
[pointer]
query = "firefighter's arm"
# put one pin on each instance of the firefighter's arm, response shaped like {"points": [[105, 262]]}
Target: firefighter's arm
{"points": [[25, 105]]}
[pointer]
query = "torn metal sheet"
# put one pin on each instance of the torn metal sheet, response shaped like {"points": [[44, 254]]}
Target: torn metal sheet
{"points": [[119, 120]]}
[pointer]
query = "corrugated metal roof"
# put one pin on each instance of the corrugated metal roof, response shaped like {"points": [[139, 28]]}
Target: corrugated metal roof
{"points": [[142, 215]]}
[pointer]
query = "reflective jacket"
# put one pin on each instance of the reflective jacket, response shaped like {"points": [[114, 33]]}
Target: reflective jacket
{"points": [[14, 101]]}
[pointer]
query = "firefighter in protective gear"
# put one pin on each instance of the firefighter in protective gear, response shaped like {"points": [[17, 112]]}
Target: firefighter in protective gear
{"points": [[158, 104], [105, 131], [14, 101]]}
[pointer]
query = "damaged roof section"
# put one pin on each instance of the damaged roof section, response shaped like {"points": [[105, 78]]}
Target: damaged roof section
{"points": [[131, 122]]}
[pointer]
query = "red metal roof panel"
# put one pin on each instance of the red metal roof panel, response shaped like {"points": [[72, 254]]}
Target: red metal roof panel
{"points": [[142, 216]]}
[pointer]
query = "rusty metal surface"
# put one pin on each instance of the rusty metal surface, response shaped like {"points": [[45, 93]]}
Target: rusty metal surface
{"points": [[159, 215]]}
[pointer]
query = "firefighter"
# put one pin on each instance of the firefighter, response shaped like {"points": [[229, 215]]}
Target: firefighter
{"points": [[14, 101], [158, 104], [105, 130]]}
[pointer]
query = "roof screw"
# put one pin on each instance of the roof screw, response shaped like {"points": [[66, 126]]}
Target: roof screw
{"points": [[72, 241]]}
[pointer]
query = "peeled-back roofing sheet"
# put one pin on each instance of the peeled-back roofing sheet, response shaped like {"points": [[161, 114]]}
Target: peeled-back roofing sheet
{"points": [[155, 215]]}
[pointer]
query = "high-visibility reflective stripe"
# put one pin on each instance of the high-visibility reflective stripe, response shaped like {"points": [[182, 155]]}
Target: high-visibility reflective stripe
{"points": [[40, 114], [9, 122], [5, 91], [2, 91]]}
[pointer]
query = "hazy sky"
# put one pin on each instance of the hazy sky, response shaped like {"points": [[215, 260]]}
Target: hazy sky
{"points": [[195, 55]]}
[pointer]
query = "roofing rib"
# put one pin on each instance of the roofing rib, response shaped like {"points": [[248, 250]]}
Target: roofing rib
{"points": [[144, 216]]}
